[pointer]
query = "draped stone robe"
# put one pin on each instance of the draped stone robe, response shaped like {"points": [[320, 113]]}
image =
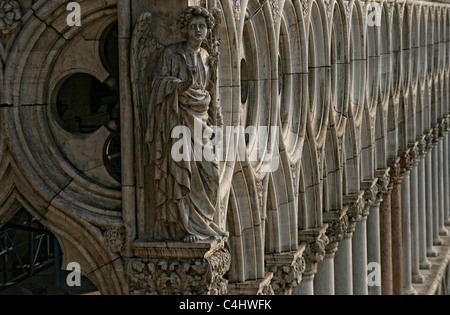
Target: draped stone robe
{"points": [[186, 191]]}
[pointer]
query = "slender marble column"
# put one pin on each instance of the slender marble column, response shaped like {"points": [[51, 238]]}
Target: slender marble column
{"points": [[417, 276], [324, 279], [314, 254], [386, 242], [396, 223], [446, 178], [356, 247], [408, 289], [359, 245], [343, 262], [437, 241], [373, 225], [442, 230], [337, 227], [431, 251], [424, 262]]}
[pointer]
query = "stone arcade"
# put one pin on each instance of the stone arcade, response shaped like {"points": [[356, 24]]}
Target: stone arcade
{"points": [[363, 114]]}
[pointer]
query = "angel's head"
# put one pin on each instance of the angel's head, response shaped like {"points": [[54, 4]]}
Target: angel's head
{"points": [[196, 21]]}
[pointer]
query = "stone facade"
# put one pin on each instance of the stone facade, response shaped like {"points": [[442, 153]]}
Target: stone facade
{"points": [[363, 149]]}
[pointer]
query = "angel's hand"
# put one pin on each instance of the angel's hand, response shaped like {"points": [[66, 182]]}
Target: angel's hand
{"points": [[185, 85]]}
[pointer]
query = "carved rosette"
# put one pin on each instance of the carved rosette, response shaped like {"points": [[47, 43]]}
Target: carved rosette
{"points": [[187, 276], [10, 16]]}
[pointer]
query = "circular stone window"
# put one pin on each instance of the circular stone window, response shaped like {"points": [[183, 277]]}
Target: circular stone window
{"points": [[84, 104]]}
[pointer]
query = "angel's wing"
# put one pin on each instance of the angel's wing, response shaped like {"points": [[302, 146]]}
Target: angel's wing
{"points": [[145, 51]]}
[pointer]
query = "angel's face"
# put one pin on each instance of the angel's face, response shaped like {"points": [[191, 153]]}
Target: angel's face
{"points": [[198, 29]]}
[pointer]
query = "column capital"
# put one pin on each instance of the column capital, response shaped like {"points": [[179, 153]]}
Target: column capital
{"points": [[395, 173], [316, 242], [429, 136], [405, 161], [338, 224], [355, 204], [414, 153], [370, 188], [287, 270], [422, 144], [383, 182], [172, 267]]}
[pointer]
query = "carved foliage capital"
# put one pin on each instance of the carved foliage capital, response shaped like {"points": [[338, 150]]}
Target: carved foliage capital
{"points": [[395, 172], [198, 276], [286, 277], [314, 253]]}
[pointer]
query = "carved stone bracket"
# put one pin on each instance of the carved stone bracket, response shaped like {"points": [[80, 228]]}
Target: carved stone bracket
{"points": [[356, 204], [287, 269], [338, 224], [316, 242], [190, 269]]}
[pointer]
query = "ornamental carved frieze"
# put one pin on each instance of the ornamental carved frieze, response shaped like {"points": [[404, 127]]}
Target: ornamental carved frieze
{"points": [[10, 16], [187, 276]]}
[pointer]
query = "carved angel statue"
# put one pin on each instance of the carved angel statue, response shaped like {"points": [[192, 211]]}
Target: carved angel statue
{"points": [[175, 86]]}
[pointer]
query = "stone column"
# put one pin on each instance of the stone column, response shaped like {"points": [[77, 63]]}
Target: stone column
{"points": [[437, 241], [346, 257], [316, 242], [386, 240], [287, 270], [396, 225], [373, 225], [405, 162], [431, 251], [337, 227], [446, 176], [442, 217], [447, 172], [421, 181], [417, 276], [360, 252]]}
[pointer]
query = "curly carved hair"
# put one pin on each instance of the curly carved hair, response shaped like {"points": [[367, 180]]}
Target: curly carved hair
{"points": [[190, 12]]}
